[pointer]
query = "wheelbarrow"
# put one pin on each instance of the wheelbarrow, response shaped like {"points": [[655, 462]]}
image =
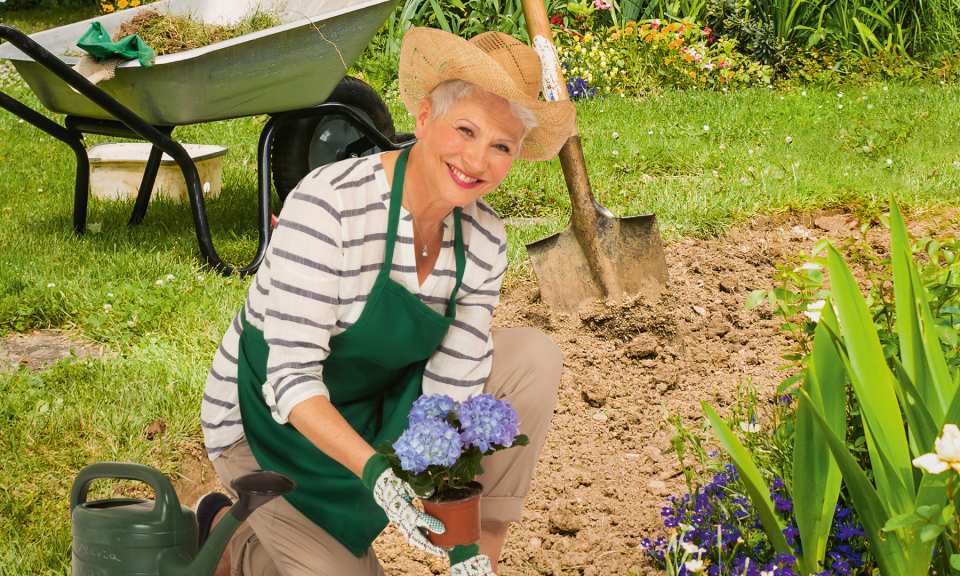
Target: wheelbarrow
{"points": [[292, 72]]}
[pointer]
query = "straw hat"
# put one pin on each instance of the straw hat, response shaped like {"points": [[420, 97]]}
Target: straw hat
{"points": [[498, 63]]}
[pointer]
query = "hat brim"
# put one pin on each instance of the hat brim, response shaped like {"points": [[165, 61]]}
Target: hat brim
{"points": [[429, 56]]}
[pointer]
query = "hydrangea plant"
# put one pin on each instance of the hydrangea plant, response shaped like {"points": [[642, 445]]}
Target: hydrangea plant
{"points": [[440, 451]]}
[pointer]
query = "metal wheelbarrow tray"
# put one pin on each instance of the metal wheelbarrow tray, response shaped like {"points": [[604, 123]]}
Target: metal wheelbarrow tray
{"points": [[286, 71]]}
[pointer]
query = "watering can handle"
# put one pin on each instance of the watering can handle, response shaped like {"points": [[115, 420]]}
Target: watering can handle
{"points": [[165, 495]]}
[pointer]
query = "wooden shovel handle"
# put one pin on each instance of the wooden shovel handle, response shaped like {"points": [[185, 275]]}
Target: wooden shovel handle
{"points": [[585, 213]]}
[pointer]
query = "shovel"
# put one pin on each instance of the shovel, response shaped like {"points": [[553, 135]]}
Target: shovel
{"points": [[597, 255]]}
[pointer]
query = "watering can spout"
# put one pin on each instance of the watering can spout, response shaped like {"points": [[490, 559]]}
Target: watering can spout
{"points": [[254, 490]]}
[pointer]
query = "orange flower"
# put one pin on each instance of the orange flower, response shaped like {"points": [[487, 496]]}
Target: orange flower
{"points": [[676, 43]]}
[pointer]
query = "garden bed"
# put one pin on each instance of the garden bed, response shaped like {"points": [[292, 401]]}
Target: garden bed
{"points": [[608, 465]]}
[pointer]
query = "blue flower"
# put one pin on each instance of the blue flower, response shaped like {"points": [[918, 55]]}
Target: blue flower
{"points": [[579, 88], [428, 443], [432, 407], [487, 422]]}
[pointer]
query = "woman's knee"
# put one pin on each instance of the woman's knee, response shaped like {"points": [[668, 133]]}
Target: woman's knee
{"points": [[528, 354]]}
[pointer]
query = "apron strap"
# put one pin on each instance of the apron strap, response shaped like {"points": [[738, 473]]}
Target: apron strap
{"points": [[393, 219], [396, 199], [460, 254]]}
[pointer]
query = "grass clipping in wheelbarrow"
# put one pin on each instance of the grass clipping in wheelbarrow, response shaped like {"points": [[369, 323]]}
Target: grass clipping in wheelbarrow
{"points": [[169, 34]]}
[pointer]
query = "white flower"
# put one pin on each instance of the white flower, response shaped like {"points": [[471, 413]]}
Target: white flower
{"points": [[771, 572], [615, 135], [839, 106], [694, 566], [706, 127], [803, 92], [750, 427], [107, 307], [691, 548], [789, 139], [130, 323], [946, 455], [615, 152], [839, 94], [889, 161], [809, 266], [159, 282], [109, 294], [814, 309], [649, 132], [171, 277], [51, 285]]}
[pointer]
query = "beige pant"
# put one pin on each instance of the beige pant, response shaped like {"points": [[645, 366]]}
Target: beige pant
{"points": [[278, 540]]}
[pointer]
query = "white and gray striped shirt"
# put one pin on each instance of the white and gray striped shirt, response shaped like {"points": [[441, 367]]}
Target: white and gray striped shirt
{"points": [[320, 266]]}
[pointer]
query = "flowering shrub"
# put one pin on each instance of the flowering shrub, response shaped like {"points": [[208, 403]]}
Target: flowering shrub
{"points": [[440, 451], [639, 57], [108, 6], [715, 530]]}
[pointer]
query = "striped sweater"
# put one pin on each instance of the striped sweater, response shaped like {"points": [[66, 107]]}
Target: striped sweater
{"points": [[319, 269]]}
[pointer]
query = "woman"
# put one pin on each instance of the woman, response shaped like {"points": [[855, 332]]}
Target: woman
{"points": [[379, 285]]}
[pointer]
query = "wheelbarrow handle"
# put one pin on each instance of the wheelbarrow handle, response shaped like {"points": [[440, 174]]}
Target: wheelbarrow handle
{"points": [[587, 216]]}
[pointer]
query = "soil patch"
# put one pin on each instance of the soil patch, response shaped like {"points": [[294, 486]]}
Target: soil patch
{"points": [[41, 349]]}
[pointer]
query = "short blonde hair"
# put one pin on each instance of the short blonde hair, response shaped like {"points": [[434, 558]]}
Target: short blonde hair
{"points": [[447, 93]]}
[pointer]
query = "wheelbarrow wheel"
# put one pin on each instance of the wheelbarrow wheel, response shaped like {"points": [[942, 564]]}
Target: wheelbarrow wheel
{"points": [[308, 143]]}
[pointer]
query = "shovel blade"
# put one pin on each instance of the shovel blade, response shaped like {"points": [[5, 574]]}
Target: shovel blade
{"points": [[632, 245]]}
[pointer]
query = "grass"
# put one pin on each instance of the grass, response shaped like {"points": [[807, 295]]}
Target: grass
{"points": [[32, 20], [168, 34], [700, 161]]}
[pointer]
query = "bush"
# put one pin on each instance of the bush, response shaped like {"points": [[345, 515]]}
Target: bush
{"points": [[643, 57]]}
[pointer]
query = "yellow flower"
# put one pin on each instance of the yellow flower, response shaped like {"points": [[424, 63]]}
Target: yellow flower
{"points": [[121, 4], [134, 3], [107, 8]]}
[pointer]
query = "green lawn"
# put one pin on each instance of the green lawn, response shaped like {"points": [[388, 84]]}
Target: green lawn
{"points": [[700, 161]]}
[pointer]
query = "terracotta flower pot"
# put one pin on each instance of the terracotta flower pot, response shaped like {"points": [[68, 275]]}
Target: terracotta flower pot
{"points": [[461, 518]]}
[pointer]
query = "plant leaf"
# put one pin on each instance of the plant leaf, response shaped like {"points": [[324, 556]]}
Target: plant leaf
{"points": [[875, 389], [752, 480], [815, 498], [887, 548]]}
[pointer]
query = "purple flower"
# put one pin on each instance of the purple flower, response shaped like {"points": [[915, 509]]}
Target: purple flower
{"points": [[432, 407], [428, 443], [487, 422], [579, 88]]}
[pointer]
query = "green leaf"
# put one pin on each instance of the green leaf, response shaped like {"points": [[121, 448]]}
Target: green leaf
{"points": [[889, 551], [930, 532], [908, 520], [816, 497], [875, 389], [921, 424], [955, 561], [921, 354], [929, 511], [752, 480], [755, 299]]}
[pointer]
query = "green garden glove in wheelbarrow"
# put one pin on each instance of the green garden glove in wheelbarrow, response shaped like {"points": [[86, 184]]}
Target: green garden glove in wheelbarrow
{"points": [[96, 42]]}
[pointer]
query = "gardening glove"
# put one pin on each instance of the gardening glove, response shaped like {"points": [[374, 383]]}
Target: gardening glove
{"points": [[468, 561], [394, 496]]}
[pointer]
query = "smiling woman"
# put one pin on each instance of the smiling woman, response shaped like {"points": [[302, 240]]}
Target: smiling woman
{"points": [[379, 285]]}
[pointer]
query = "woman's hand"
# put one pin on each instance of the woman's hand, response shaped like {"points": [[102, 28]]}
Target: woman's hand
{"points": [[477, 566], [395, 497]]}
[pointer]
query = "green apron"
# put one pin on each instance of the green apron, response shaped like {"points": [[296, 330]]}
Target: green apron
{"points": [[374, 374]]}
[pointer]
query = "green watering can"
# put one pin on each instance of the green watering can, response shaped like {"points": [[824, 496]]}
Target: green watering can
{"points": [[131, 536]]}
